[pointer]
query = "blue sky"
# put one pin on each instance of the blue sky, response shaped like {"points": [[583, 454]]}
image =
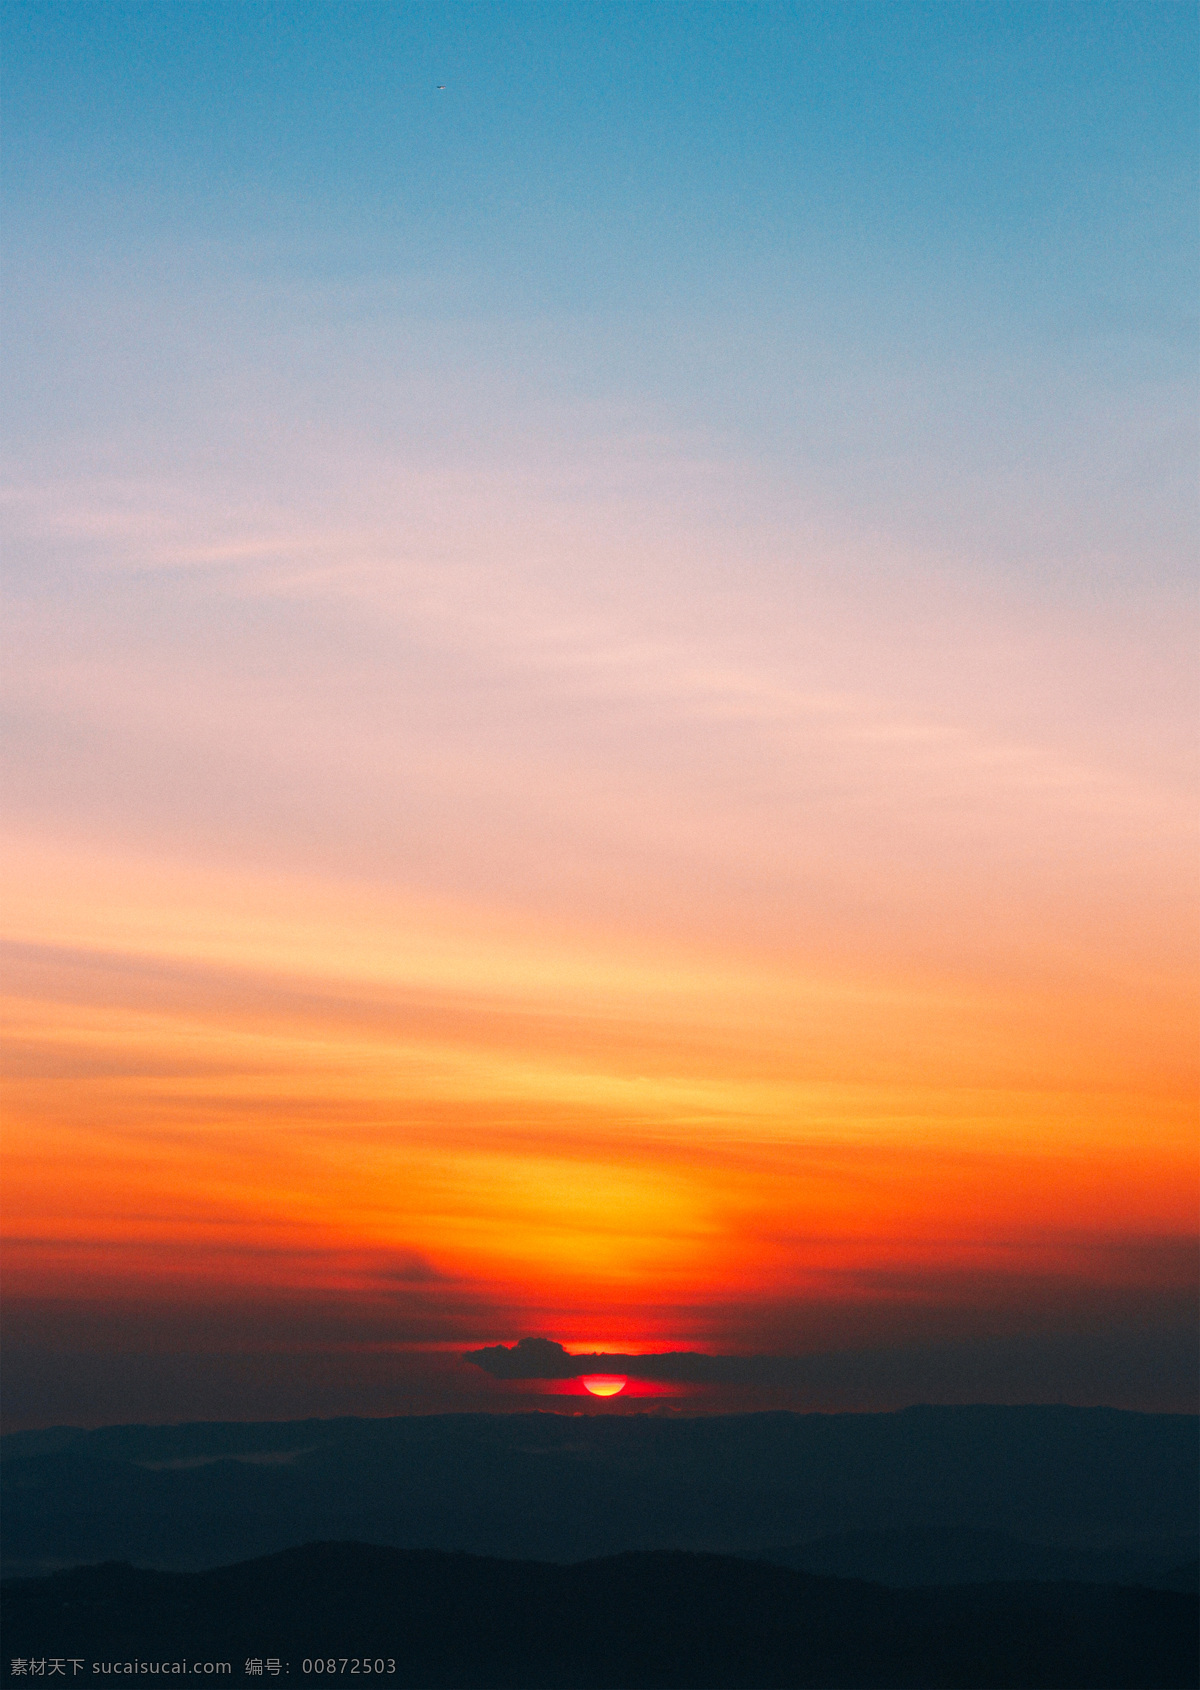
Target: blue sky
{"points": [[842, 238], [924, 122]]}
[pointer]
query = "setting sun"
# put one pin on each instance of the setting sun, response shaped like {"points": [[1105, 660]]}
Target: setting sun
{"points": [[604, 1384]]}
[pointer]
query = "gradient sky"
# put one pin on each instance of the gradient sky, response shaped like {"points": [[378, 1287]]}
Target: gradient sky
{"points": [[600, 689]]}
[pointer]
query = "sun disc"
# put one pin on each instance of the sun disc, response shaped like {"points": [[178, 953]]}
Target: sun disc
{"points": [[604, 1384]]}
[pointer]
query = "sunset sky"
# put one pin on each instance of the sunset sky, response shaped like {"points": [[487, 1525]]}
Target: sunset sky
{"points": [[600, 696]]}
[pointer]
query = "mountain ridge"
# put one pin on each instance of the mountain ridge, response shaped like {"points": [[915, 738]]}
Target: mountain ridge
{"points": [[650, 1621], [559, 1487]]}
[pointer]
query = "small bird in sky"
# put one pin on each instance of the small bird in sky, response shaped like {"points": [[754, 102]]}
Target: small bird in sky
{"points": [[441, 84]]}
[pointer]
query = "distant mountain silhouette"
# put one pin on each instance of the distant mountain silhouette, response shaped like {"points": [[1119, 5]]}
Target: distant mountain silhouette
{"points": [[693, 1622], [1041, 1489]]}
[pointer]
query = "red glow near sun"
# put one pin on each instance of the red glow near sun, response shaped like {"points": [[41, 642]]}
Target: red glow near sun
{"points": [[604, 1384]]}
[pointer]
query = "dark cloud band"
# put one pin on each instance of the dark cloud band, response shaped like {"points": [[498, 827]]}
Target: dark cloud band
{"points": [[541, 1358], [1081, 1366]]}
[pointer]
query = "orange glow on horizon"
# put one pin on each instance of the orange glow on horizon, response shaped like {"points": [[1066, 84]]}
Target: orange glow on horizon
{"points": [[600, 1156]]}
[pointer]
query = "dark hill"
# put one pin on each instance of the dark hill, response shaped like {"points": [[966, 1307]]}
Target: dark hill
{"points": [[696, 1622], [905, 1558], [554, 1487]]}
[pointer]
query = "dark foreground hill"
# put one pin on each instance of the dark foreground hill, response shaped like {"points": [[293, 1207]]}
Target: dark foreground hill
{"points": [[926, 1495], [696, 1622], [914, 1556]]}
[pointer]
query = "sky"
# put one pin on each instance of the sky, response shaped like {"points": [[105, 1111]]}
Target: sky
{"points": [[599, 690]]}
